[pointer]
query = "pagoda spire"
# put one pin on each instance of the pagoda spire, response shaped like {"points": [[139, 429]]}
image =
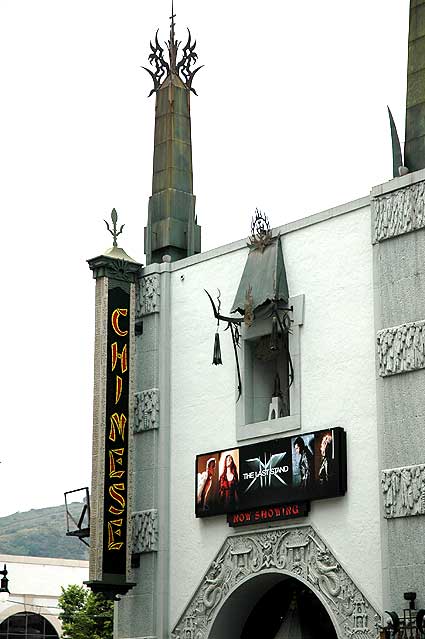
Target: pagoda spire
{"points": [[414, 148], [172, 228]]}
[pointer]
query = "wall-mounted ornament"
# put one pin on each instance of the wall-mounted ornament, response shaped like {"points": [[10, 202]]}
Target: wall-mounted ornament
{"points": [[261, 234], [262, 294], [234, 324]]}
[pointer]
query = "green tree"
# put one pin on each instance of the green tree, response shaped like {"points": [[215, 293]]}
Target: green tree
{"points": [[85, 615]]}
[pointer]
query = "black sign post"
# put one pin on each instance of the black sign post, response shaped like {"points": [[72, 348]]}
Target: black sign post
{"points": [[110, 546]]}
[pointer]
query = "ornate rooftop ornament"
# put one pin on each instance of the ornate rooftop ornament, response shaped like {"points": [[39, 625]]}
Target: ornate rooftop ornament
{"points": [[182, 69], [156, 59], [114, 232], [261, 234]]}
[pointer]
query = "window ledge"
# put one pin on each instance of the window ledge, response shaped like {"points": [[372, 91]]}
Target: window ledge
{"points": [[268, 427]]}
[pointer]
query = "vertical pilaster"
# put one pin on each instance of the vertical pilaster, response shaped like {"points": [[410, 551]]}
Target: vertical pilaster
{"points": [[143, 613], [398, 211], [113, 409], [99, 419]]}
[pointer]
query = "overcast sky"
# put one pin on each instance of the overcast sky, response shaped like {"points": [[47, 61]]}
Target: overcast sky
{"points": [[290, 117]]}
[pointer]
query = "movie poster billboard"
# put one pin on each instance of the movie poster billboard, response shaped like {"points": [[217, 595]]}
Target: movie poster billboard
{"points": [[303, 467]]}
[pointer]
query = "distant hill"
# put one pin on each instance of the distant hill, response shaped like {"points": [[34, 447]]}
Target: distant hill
{"points": [[41, 533]]}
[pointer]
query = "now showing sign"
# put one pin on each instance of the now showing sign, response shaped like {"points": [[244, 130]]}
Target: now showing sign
{"points": [[272, 513]]}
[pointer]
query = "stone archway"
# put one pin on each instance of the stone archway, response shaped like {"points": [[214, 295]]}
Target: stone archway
{"points": [[296, 551], [272, 604]]}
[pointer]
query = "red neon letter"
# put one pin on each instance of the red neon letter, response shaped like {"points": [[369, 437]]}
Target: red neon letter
{"points": [[115, 318], [122, 356], [113, 491], [118, 422]]}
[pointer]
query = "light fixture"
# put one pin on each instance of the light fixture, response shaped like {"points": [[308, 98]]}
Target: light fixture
{"points": [[411, 626], [4, 586]]}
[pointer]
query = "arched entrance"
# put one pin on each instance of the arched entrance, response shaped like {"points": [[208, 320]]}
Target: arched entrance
{"points": [[249, 565], [277, 608], [27, 625]]}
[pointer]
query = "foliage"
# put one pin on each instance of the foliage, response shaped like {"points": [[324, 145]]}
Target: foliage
{"points": [[41, 533], [85, 615]]}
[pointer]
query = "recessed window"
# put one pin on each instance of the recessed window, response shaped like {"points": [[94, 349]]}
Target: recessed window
{"points": [[270, 401], [26, 625]]}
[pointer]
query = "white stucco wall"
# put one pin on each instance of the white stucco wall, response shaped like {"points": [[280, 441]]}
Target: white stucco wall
{"points": [[35, 584], [330, 262]]}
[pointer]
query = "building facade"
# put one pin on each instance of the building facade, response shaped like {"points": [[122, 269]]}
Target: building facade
{"points": [[35, 586], [326, 316]]}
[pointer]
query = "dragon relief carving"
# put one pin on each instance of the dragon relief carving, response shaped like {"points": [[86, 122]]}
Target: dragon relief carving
{"points": [[148, 293], [297, 552], [145, 531], [401, 348], [146, 410], [404, 491], [399, 212]]}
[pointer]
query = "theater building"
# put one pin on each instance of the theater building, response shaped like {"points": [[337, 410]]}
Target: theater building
{"points": [[31, 610], [281, 491]]}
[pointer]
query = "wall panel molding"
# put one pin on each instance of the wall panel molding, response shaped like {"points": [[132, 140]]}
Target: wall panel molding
{"points": [[145, 531], [148, 294], [146, 410], [399, 212], [401, 348], [403, 490]]}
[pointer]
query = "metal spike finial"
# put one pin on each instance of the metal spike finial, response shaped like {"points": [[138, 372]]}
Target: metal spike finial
{"points": [[114, 232], [183, 68], [172, 44]]}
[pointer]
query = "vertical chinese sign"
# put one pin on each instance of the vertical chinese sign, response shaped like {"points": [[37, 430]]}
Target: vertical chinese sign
{"points": [[115, 533], [110, 523]]}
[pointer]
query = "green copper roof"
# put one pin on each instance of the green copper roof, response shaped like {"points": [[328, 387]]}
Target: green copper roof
{"points": [[264, 276], [414, 149]]}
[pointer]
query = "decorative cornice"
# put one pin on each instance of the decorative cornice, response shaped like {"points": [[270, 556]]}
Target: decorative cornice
{"points": [[401, 348], [404, 491], [114, 268], [399, 212], [146, 410], [145, 531], [149, 291], [295, 551]]}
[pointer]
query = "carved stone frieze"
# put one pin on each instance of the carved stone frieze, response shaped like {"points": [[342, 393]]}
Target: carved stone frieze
{"points": [[401, 348], [404, 491], [146, 410], [149, 290], [145, 531], [399, 212], [295, 551]]}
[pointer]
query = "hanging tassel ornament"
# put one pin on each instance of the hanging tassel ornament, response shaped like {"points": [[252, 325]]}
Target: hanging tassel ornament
{"points": [[274, 346], [217, 349]]}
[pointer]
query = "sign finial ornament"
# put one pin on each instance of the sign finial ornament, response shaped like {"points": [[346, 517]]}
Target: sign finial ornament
{"points": [[114, 232]]}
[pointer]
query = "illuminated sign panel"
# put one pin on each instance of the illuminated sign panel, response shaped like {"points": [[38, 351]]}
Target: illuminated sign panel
{"points": [[293, 469], [116, 432], [268, 513]]}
